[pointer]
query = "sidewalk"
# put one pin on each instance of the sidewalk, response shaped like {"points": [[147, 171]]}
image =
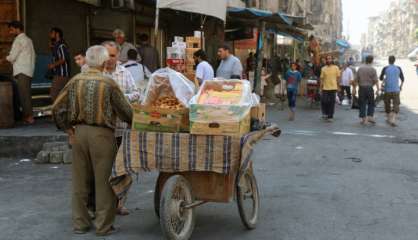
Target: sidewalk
{"points": [[27, 140]]}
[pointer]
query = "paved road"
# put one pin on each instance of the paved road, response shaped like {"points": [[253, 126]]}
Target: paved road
{"points": [[318, 181]]}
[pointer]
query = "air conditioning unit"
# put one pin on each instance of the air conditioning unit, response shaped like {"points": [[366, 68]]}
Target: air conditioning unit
{"points": [[129, 4]]}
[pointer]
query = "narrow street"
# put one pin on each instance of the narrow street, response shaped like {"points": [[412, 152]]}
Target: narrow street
{"points": [[318, 181]]}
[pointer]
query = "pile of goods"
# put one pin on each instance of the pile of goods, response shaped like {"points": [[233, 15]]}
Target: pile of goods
{"points": [[165, 105], [225, 94], [180, 54], [222, 107], [169, 102]]}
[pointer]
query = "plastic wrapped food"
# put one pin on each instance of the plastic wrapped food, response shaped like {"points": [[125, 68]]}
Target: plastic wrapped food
{"points": [[222, 101], [165, 85]]}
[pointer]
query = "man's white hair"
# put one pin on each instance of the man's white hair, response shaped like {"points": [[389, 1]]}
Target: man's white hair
{"points": [[111, 44], [118, 33], [96, 56]]}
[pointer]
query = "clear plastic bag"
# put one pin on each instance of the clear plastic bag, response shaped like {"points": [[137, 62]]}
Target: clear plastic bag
{"points": [[166, 82], [221, 101]]}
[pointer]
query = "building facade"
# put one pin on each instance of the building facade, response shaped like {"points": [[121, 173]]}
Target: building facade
{"points": [[394, 31], [325, 16]]}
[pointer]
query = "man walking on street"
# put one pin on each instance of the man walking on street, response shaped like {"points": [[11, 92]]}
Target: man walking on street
{"points": [[292, 78], [390, 76], [87, 109], [230, 66], [366, 78], [22, 56], [60, 66], [347, 79], [330, 75]]}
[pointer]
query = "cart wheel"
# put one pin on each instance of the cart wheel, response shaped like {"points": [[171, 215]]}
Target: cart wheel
{"points": [[157, 196], [248, 199], [176, 222]]}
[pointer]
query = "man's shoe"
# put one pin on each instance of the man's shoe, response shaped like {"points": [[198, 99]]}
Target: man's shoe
{"points": [[371, 120], [122, 211], [363, 121], [81, 231], [111, 231], [393, 120], [291, 116], [92, 214]]}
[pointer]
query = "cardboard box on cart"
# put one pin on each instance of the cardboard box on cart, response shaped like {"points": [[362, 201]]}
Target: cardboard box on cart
{"points": [[159, 119], [259, 112], [221, 108], [235, 129]]}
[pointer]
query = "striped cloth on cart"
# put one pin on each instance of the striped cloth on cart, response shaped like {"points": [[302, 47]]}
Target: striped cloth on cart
{"points": [[179, 152]]}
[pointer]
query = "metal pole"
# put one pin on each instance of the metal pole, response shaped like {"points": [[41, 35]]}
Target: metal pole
{"points": [[18, 10], [260, 55]]}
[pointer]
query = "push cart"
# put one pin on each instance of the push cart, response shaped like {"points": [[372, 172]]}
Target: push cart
{"points": [[191, 174], [312, 92]]}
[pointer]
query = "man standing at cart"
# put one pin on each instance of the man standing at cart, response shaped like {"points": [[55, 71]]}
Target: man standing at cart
{"points": [[86, 109], [330, 75], [123, 78], [230, 66]]}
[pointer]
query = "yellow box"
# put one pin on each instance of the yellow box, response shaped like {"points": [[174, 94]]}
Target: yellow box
{"points": [[259, 112], [193, 42], [235, 129]]}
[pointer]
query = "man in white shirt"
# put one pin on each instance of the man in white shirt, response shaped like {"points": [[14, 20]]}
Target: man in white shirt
{"points": [[204, 70], [22, 56], [139, 71], [123, 45], [347, 79], [124, 79]]}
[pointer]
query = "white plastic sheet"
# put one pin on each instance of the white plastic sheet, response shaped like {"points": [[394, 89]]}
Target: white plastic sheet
{"points": [[215, 8], [167, 82]]}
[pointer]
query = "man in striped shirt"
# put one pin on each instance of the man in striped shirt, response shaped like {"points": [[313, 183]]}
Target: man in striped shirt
{"points": [[60, 65], [87, 109]]}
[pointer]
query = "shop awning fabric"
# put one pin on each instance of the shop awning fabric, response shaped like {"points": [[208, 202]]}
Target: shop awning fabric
{"points": [[92, 2], [257, 14], [214, 8]]}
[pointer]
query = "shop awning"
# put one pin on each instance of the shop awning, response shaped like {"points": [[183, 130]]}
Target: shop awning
{"points": [[342, 43], [96, 3], [299, 22], [214, 8], [257, 14]]}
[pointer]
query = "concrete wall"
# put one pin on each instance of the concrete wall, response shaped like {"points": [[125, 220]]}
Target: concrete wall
{"points": [[68, 15]]}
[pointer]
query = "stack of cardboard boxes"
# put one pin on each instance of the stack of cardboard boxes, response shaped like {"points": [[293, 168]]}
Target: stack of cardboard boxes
{"points": [[180, 55], [176, 55], [193, 45]]}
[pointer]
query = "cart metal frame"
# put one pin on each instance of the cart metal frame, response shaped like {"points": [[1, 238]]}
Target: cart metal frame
{"points": [[178, 194]]}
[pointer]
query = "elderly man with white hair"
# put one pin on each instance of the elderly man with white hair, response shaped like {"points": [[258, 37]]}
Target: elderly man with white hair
{"points": [[124, 79], [87, 109], [123, 45]]}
